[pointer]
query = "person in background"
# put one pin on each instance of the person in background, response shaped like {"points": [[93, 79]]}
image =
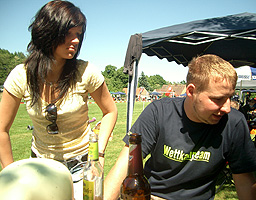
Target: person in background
{"points": [[248, 107], [191, 139], [55, 86], [234, 104]]}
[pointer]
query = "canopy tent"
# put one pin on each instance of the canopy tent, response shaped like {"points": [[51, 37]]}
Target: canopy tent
{"points": [[246, 84], [253, 70], [120, 93], [231, 37], [246, 73], [155, 93]]}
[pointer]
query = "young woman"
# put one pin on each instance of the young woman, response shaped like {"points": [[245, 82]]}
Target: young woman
{"points": [[55, 86]]}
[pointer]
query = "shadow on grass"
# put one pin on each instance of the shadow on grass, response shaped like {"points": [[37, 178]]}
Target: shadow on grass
{"points": [[227, 192], [225, 187]]}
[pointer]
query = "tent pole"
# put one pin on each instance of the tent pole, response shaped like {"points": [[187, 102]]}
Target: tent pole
{"points": [[240, 91], [132, 86]]}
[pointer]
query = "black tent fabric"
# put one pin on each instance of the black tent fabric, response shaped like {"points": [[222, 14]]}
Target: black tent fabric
{"points": [[133, 53], [231, 37]]}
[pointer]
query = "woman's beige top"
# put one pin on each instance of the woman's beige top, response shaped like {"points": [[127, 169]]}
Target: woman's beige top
{"points": [[72, 113]]}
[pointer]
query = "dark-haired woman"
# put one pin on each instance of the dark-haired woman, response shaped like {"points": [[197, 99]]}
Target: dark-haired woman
{"points": [[55, 86]]}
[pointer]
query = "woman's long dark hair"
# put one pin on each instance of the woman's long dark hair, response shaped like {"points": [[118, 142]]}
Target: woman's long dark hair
{"points": [[48, 30]]}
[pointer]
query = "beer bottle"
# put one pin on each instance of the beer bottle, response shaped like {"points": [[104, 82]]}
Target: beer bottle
{"points": [[96, 129], [93, 172], [135, 186]]}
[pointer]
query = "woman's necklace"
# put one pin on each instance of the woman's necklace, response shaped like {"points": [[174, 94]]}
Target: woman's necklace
{"points": [[49, 91]]}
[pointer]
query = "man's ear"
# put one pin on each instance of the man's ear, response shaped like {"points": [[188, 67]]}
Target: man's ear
{"points": [[190, 90]]}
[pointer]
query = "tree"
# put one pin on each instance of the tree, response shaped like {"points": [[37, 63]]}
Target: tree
{"points": [[8, 61], [143, 82], [183, 82], [116, 80], [109, 71], [122, 77], [156, 81], [109, 74]]}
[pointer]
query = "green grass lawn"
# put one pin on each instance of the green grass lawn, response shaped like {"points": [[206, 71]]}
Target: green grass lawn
{"points": [[21, 139]]}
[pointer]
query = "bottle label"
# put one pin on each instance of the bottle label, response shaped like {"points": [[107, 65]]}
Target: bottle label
{"points": [[88, 190], [93, 151]]}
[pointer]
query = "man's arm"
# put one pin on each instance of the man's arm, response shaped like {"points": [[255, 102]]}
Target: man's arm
{"points": [[116, 176], [245, 186]]}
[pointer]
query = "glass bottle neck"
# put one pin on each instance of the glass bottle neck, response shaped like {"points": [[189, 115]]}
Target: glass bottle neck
{"points": [[135, 160], [93, 154]]}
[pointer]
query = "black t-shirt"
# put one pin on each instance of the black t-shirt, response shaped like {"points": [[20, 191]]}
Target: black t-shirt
{"points": [[186, 157]]}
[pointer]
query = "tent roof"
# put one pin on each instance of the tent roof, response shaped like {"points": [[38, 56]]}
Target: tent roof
{"points": [[169, 42], [218, 25]]}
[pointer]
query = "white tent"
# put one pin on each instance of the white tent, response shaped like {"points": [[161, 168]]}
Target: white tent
{"points": [[243, 73], [246, 84]]}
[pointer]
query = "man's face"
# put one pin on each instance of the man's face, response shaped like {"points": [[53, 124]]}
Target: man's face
{"points": [[210, 105]]}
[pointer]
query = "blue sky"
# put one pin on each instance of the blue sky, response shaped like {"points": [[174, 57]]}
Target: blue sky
{"points": [[112, 22]]}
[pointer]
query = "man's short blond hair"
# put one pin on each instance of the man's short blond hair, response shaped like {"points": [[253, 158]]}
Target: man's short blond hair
{"points": [[204, 68]]}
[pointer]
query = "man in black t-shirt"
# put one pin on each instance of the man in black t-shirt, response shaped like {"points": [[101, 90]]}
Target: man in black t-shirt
{"points": [[190, 140]]}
